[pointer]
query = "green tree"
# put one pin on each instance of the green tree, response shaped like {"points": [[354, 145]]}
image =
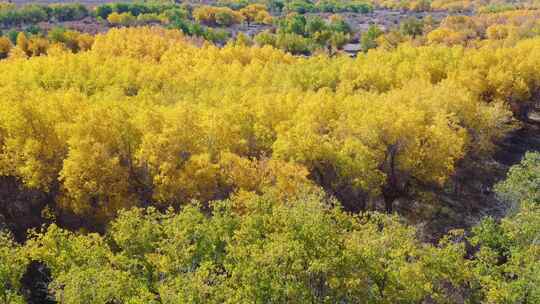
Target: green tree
{"points": [[522, 182], [411, 27], [369, 38], [259, 250], [13, 262], [507, 264]]}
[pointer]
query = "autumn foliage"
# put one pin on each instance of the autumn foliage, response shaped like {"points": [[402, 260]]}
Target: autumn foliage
{"points": [[148, 117], [213, 15], [230, 174]]}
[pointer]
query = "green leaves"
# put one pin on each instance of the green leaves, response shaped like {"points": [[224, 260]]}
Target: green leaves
{"points": [[523, 181], [508, 260], [270, 248], [13, 262], [298, 251]]}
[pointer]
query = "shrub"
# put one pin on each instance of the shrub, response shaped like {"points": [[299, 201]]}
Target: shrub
{"points": [[124, 19], [222, 16], [265, 38], [5, 47], [293, 43], [68, 12]]}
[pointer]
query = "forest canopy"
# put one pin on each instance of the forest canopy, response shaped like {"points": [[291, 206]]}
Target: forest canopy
{"points": [[265, 249], [165, 121], [166, 169]]}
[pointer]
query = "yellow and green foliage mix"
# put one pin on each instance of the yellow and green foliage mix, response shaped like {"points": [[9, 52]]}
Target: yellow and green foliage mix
{"points": [[215, 15], [304, 252], [485, 29], [28, 46], [248, 142], [456, 5], [224, 16], [267, 250], [505, 27]]}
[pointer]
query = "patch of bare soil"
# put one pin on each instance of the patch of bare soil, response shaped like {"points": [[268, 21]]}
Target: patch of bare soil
{"points": [[87, 25]]}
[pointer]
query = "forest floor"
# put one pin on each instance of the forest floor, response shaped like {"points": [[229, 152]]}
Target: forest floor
{"points": [[471, 196]]}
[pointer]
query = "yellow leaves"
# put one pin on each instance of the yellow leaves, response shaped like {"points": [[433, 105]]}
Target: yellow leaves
{"points": [[31, 127], [199, 179], [147, 117], [213, 15], [170, 138], [85, 41], [22, 41], [497, 32], [431, 157], [503, 28], [143, 43], [358, 163], [304, 138], [196, 178], [5, 47], [7, 5], [186, 158], [256, 13], [285, 178], [73, 40], [421, 138], [37, 46], [446, 36], [504, 74], [96, 172], [353, 137], [419, 5], [121, 18], [226, 129], [452, 5], [94, 181]]}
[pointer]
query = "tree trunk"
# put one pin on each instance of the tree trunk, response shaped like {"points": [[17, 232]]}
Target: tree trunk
{"points": [[391, 189]]}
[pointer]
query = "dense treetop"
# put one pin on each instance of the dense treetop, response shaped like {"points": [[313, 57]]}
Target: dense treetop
{"points": [[245, 174], [165, 121], [264, 249]]}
